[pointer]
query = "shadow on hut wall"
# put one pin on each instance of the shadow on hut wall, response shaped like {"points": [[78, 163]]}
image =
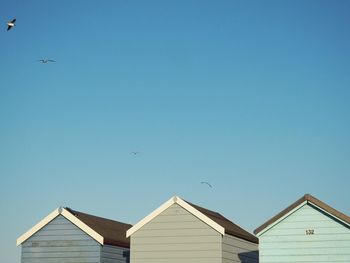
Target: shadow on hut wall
{"points": [[249, 257], [126, 255]]}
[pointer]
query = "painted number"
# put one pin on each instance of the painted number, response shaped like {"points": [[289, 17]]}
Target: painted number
{"points": [[310, 232]]}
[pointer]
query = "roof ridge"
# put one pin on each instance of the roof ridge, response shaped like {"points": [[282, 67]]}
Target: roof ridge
{"points": [[74, 212], [328, 208], [214, 212]]}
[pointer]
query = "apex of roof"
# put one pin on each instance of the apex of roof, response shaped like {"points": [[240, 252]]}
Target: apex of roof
{"points": [[307, 198], [104, 231], [211, 218]]}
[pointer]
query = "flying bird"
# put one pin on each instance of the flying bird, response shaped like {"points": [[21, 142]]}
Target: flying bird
{"points": [[44, 61], [207, 184], [134, 153], [11, 24]]}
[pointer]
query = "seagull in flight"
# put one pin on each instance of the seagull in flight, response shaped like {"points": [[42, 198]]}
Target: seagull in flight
{"points": [[45, 61], [11, 24], [208, 184]]}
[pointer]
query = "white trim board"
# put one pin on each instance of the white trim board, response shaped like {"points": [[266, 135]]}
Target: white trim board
{"points": [[183, 204], [70, 217], [281, 218], [331, 215], [38, 226]]}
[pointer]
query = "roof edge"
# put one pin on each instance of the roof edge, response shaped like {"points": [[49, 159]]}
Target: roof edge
{"points": [[80, 224], [150, 216], [183, 204], [307, 198], [279, 217], [70, 217], [38, 226], [201, 216], [328, 209]]}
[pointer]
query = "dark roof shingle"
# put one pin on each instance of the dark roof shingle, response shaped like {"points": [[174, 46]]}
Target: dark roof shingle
{"points": [[230, 228], [113, 232]]}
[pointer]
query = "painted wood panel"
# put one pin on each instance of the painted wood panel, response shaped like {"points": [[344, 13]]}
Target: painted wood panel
{"points": [[112, 254], [176, 236], [175, 240], [60, 241], [288, 241], [238, 250]]}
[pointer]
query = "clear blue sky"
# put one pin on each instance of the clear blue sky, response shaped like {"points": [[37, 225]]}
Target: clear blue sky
{"points": [[252, 96]]}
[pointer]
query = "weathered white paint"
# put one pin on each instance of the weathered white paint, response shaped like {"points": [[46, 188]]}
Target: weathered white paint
{"points": [[38, 226], [287, 241], [60, 241], [67, 215]]}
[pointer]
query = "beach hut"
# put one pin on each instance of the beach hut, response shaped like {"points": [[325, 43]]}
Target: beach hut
{"points": [[179, 231], [306, 231], [69, 236]]}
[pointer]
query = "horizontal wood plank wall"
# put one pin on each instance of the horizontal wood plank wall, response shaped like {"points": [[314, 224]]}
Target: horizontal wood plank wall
{"points": [[60, 242], [289, 242], [112, 254], [237, 250], [176, 236]]}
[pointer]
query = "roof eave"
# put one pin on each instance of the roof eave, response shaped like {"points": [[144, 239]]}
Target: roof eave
{"points": [[306, 199], [61, 211], [184, 205], [258, 232], [38, 226]]}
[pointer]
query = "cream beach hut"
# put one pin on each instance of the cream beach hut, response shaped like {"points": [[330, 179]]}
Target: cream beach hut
{"points": [[179, 231]]}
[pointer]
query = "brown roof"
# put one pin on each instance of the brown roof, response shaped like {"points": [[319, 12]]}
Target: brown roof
{"points": [[230, 228], [310, 199], [113, 232]]}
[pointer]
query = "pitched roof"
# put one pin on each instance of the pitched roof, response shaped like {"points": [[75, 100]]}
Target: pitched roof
{"points": [[211, 218], [307, 199], [104, 231], [113, 232], [230, 227]]}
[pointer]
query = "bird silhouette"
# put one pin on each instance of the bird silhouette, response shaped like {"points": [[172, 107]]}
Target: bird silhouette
{"points": [[207, 184], [11, 24], [44, 61]]}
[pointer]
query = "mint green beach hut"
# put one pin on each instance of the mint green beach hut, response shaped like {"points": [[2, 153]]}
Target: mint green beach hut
{"points": [[308, 231]]}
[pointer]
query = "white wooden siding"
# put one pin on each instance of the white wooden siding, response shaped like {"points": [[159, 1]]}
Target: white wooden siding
{"points": [[287, 241], [237, 250], [60, 241], [176, 236]]}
